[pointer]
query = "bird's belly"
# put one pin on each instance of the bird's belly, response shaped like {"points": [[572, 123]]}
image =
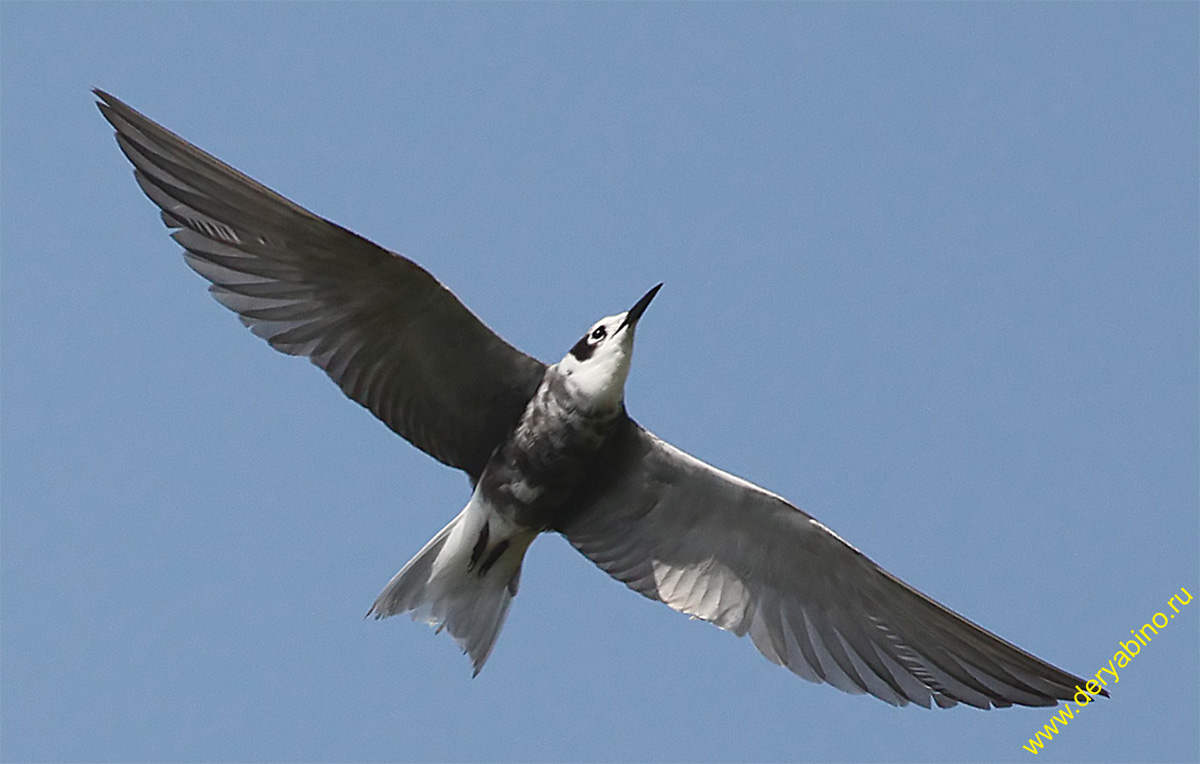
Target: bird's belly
{"points": [[533, 477], [532, 493]]}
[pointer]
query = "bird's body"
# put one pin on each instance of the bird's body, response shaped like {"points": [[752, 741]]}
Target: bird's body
{"points": [[535, 471], [465, 581], [550, 448]]}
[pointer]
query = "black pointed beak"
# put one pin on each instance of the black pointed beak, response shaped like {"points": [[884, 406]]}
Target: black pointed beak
{"points": [[635, 313]]}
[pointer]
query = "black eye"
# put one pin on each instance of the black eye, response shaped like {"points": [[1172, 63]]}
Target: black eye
{"points": [[599, 333]]}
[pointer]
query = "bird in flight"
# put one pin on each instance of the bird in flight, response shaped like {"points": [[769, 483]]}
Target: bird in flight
{"points": [[551, 448]]}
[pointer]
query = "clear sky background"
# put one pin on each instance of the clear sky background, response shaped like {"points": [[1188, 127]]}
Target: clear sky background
{"points": [[931, 273]]}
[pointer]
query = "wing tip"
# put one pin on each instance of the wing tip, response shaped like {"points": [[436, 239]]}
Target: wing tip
{"points": [[106, 100]]}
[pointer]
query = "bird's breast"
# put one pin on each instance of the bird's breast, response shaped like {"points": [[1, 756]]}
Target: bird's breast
{"points": [[550, 452]]}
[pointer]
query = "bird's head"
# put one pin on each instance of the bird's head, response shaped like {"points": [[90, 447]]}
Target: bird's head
{"points": [[596, 368]]}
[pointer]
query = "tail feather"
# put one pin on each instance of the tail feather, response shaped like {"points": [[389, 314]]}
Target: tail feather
{"points": [[446, 586]]}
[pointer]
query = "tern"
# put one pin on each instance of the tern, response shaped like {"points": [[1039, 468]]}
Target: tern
{"points": [[551, 448]]}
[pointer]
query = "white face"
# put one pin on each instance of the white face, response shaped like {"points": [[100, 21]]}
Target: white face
{"points": [[597, 367]]}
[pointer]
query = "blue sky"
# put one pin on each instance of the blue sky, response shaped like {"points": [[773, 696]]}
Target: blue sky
{"points": [[931, 273]]}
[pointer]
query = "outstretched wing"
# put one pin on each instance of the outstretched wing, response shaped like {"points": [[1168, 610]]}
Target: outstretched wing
{"points": [[721, 549], [388, 333]]}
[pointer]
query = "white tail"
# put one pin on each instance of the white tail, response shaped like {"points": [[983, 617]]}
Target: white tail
{"points": [[462, 580]]}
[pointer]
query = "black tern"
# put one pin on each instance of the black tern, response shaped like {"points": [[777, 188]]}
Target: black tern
{"points": [[550, 448]]}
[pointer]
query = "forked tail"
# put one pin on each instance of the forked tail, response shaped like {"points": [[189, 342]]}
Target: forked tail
{"points": [[462, 580]]}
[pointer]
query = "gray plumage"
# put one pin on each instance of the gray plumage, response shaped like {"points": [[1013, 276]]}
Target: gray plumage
{"points": [[393, 338], [552, 449]]}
